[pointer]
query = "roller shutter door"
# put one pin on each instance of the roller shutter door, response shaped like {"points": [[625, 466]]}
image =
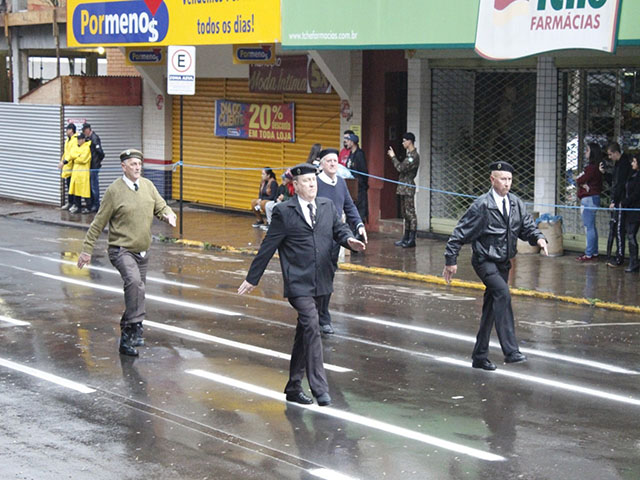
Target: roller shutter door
{"points": [[30, 149], [209, 161], [119, 128]]}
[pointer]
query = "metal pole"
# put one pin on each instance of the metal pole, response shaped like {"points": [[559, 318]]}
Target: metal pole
{"points": [[181, 177]]}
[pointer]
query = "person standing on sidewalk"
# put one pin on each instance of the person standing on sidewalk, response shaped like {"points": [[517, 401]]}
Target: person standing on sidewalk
{"points": [[492, 225], [632, 200], [303, 230], [589, 188], [129, 206], [333, 187], [357, 163], [66, 165], [617, 179], [97, 155], [407, 190], [343, 156], [79, 187]]}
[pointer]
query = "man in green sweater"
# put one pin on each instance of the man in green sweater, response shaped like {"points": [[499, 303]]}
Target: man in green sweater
{"points": [[128, 206]]}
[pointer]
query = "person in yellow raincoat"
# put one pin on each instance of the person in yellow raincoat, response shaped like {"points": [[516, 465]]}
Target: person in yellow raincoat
{"points": [[66, 165], [80, 186]]}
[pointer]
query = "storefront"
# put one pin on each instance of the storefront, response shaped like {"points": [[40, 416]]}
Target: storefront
{"points": [[220, 168], [466, 110], [224, 171]]}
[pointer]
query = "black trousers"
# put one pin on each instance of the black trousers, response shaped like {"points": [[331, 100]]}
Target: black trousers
{"points": [[496, 308], [362, 202], [616, 233], [323, 301], [133, 270], [307, 349], [632, 232]]}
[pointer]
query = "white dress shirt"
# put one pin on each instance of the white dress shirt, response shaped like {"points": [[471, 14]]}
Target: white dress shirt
{"points": [[499, 203], [130, 184], [305, 210]]}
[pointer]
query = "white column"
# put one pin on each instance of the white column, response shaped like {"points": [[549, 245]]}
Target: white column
{"points": [[19, 68], [419, 123], [355, 94], [546, 135]]}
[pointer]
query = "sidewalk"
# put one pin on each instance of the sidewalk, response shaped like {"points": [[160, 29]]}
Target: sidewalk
{"points": [[535, 274]]}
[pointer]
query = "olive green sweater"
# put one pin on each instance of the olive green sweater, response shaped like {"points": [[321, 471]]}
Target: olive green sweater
{"points": [[129, 214]]}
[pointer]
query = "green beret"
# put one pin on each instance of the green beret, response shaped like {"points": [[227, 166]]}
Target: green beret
{"points": [[131, 153]]}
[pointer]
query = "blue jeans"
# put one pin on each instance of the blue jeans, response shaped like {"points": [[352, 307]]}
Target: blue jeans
{"points": [[95, 188], [589, 221]]}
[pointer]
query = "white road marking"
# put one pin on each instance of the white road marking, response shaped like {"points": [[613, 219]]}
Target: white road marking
{"points": [[352, 417], [327, 474], [157, 298], [99, 269], [184, 331], [453, 336], [551, 383], [528, 351], [234, 344], [13, 321], [418, 292], [63, 382], [509, 373]]}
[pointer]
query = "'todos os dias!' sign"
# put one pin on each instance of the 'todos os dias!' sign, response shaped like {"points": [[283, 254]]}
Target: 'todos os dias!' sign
{"points": [[510, 29], [272, 122], [172, 22]]}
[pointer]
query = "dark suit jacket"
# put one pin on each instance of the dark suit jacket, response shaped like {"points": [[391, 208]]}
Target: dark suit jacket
{"points": [[305, 252]]}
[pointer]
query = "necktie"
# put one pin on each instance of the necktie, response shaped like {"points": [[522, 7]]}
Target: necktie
{"points": [[135, 185], [312, 215], [505, 214]]}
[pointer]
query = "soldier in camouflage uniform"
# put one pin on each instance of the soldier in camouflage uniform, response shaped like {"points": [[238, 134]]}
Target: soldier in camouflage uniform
{"points": [[408, 169]]}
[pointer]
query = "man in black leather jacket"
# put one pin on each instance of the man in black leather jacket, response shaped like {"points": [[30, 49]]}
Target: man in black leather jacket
{"points": [[492, 225]]}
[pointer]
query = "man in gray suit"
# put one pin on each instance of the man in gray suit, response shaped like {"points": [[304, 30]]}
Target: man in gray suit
{"points": [[303, 230]]}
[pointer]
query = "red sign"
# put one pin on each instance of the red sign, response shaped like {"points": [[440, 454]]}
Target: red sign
{"points": [[271, 122]]}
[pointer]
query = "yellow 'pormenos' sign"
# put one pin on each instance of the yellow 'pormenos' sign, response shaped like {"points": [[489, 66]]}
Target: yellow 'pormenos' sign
{"points": [[172, 22]]}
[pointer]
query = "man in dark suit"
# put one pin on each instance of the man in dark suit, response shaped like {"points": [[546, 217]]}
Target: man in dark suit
{"points": [[303, 230], [492, 224]]}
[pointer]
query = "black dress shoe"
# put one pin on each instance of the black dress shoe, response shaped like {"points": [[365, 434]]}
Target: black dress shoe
{"points": [[484, 364], [324, 400], [515, 357], [328, 329], [299, 397]]}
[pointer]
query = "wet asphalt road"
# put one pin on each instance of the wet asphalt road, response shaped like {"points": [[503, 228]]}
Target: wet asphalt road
{"points": [[204, 399]]}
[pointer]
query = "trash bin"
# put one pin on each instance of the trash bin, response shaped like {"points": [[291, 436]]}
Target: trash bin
{"points": [[524, 247], [551, 227]]}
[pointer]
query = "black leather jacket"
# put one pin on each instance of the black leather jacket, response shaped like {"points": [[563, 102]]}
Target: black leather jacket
{"points": [[485, 228]]}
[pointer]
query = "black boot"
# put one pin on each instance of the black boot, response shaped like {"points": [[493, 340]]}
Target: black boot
{"points": [[633, 257], [138, 341], [405, 237], [126, 340], [411, 241]]}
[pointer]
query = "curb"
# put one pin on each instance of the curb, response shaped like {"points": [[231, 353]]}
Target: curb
{"points": [[522, 292], [419, 277]]}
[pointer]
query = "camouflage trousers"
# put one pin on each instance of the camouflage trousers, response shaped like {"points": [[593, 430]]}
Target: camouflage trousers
{"points": [[408, 209]]}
